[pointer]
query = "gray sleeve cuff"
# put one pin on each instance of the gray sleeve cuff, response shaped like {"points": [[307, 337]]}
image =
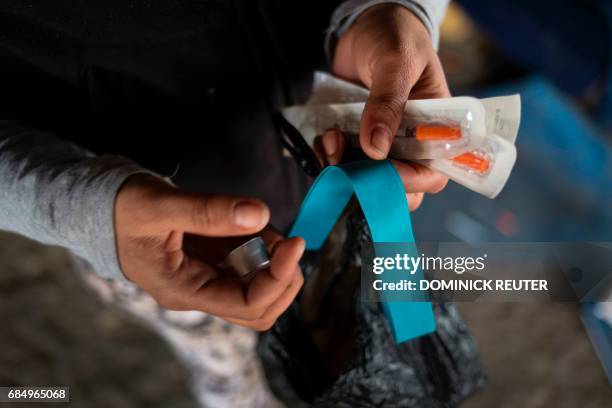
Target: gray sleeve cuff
{"points": [[94, 200], [430, 12], [60, 194]]}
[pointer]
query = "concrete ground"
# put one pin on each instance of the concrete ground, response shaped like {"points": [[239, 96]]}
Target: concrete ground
{"points": [[56, 332]]}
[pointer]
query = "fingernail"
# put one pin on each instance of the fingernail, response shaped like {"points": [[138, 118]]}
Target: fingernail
{"points": [[381, 140], [248, 214], [330, 142]]}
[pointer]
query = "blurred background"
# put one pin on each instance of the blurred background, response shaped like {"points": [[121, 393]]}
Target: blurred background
{"points": [[558, 56]]}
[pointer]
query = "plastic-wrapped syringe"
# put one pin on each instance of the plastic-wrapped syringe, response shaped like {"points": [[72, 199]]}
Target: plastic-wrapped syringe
{"points": [[469, 140]]}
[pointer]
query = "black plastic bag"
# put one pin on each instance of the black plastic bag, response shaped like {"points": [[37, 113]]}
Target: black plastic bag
{"points": [[332, 349]]}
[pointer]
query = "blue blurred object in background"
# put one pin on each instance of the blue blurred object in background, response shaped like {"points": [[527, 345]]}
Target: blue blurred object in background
{"points": [[567, 41], [561, 185]]}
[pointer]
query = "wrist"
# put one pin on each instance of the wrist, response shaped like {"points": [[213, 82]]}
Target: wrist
{"points": [[382, 31]]}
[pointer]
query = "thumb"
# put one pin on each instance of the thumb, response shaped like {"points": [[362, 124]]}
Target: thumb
{"points": [[213, 215], [384, 108]]}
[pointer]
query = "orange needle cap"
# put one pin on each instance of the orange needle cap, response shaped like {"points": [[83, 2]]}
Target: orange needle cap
{"points": [[437, 132], [473, 161]]}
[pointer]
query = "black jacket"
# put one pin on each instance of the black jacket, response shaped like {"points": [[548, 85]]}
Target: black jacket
{"points": [[187, 84]]}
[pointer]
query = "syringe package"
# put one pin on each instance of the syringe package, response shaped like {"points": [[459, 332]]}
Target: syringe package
{"points": [[484, 169], [468, 139], [431, 128]]}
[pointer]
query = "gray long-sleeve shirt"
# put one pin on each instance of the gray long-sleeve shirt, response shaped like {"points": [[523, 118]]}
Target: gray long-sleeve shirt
{"points": [[58, 193]]}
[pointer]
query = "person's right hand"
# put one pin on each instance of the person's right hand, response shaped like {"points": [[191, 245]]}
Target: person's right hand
{"points": [[151, 221], [388, 50]]}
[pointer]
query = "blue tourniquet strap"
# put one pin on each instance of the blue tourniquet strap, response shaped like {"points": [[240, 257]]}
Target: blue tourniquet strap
{"points": [[380, 193]]}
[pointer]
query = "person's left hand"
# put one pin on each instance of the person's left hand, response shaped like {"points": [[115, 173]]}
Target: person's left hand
{"points": [[388, 50], [170, 242]]}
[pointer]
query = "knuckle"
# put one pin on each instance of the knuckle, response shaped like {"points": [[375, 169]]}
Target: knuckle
{"points": [[442, 89], [439, 89], [396, 49], [402, 60], [253, 313], [388, 104], [201, 213]]}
